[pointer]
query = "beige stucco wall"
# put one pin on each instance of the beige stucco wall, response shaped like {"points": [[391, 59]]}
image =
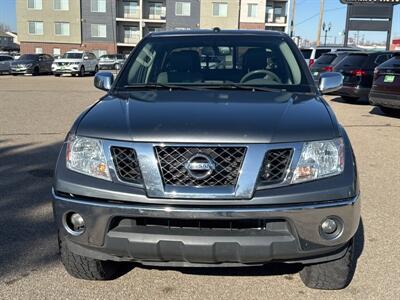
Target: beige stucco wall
{"points": [[207, 21], [49, 16], [260, 18]]}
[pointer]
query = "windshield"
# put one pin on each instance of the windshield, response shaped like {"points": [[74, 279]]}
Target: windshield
{"points": [[306, 53], [28, 57], [215, 61], [72, 55], [326, 59]]}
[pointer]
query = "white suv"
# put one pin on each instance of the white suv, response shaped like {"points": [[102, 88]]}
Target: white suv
{"points": [[76, 63]]}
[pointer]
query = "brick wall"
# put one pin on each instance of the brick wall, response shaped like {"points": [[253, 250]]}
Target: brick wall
{"points": [[246, 25], [28, 47]]}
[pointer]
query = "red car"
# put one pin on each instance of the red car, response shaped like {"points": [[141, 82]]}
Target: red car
{"points": [[385, 91]]}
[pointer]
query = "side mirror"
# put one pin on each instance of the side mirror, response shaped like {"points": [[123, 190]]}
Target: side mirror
{"points": [[330, 82], [86, 57], [103, 81]]}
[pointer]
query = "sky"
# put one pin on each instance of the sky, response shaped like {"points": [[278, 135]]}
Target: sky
{"points": [[306, 20]]}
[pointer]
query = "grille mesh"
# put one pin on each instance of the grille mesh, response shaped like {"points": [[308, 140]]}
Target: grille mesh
{"points": [[275, 166], [126, 164], [228, 162]]}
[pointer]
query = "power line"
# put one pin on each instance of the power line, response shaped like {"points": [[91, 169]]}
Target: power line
{"points": [[317, 14]]}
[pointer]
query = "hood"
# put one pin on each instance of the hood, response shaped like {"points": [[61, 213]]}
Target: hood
{"points": [[23, 62], [209, 117], [67, 60]]}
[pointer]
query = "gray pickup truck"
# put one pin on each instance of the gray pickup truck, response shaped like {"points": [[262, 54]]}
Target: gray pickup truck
{"points": [[185, 162]]}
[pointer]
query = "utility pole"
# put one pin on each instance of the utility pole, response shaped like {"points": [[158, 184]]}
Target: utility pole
{"points": [[292, 18], [321, 17]]}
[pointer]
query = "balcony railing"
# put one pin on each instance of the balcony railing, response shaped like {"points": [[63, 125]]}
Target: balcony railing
{"points": [[132, 40], [128, 11], [157, 13], [276, 19]]}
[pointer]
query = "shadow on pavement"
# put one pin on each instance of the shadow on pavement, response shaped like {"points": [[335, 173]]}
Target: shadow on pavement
{"points": [[377, 111], [27, 235], [361, 101]]}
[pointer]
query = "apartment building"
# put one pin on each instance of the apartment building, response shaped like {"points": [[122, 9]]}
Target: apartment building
{"points": [[48, 26], [109, 26], [219, 13], [98, 26], [137, 18], [265, 14], [183, 14]]}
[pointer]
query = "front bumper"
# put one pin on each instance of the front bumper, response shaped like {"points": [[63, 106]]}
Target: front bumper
{"points": [[21, 70], [353, 91], [66, 70], [107, 66], [384, 99], [292, 234]]}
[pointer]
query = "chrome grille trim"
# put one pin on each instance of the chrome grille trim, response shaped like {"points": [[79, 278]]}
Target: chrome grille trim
{"points": [[247, 182]]}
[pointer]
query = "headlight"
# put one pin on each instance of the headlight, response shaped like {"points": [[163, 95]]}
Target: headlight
{"points": [[54, 66], [320, 159], [86, 156]]}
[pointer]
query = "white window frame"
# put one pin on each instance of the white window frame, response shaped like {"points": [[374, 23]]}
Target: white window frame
{"points": [[98, 1], [35, 2], [219, 11], [35, 33], [98, 36], [38, 50], [61, 8], [252, 10], [183, 3], [56, 51], [61, 23]]}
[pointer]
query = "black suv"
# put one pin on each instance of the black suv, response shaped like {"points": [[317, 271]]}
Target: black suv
{"points": [[193, 161], [358, 71]]}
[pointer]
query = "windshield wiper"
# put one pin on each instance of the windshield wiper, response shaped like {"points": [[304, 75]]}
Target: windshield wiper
{"points": [[162, 86], [247, 87]]}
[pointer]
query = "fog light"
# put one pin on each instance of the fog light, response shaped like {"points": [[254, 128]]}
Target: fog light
{"points": [[329, 226], [77, 222], [74, 223]]}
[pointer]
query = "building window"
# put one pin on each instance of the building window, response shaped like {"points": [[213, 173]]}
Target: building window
{"points": [[220, 9], [252, 10], [182, 9], [56, 51], [157, 11], [61, 28], [61, 4], [131, 34], [35, 4], [131, 9], [39, 50], [99, 30], [35, 28], [98, 6]]}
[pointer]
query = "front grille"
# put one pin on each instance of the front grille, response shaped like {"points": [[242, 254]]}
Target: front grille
{"points": [[275, 166], [227, 160], [126, 164]]}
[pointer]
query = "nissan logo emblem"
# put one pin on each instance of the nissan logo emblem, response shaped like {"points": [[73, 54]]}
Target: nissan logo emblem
{"points": [[200, 166]]}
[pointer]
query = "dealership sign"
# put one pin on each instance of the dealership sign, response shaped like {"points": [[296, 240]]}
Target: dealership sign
{"points": [[370, 1]]}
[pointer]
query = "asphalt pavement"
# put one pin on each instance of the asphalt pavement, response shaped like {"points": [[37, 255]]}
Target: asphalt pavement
{"points": [[35, 115]]}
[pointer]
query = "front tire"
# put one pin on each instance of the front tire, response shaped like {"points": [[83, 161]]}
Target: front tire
{"points": [[332, 275], [96, 69], [82, 71], [82, 267]]}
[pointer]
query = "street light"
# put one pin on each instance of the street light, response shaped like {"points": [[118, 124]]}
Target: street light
{"points": [[326, 29]]}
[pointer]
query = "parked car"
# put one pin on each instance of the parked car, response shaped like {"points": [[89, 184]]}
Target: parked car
{"points": [[385, 92], [181, 164], [326, 62], [313, 53], [111, 61], [76, 63], [34, 64], [5, 63], [358, 71]]}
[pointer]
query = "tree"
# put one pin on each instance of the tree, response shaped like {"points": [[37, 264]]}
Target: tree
{"points": [[4, 27]]}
